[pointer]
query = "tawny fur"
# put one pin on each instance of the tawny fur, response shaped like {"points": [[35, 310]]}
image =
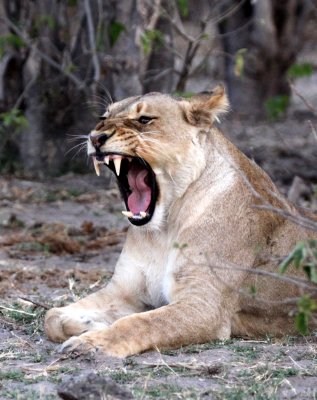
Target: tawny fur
{"points": [[185, 277]]}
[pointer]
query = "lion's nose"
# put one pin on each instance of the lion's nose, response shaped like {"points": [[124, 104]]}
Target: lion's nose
{"points": [[98, 140]]}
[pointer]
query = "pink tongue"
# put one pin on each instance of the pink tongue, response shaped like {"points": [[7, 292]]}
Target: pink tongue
{"points": [[140, 198]]}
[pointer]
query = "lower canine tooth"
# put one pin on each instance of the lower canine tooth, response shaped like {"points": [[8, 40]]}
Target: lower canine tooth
{"points": [[128, 214], [117, 165], [96, 165], [143, 214]]}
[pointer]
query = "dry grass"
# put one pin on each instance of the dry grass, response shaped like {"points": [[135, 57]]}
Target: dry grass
{"points": [[38, 270]]}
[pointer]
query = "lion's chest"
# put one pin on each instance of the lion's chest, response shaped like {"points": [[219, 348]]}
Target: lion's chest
{"points": [[151, 269], [159, 277]]}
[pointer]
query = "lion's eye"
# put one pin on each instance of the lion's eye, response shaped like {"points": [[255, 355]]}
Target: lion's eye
{"points": [[144, 120]]}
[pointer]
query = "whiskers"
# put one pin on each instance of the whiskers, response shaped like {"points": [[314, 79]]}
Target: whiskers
{"points": [[79, 147], [109, 98], [150, 140], [97, 104], [100, 102], [151, 132], [74, 138], [146, 144]]}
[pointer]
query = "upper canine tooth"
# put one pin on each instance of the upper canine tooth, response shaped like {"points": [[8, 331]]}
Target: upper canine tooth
{"points": [[96, 165], [117, 164], [157, 171], [106, 160]]}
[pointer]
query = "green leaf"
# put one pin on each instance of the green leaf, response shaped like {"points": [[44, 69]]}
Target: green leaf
{"points": [[185, 95], [70, 68], [253, 290], [13, 119], [180, 245], [45, 20], [296, 256], [151, 39], [299, 254], [311, 271], [183, 8], [115, 29], [305, 307], [285, 263], [300, 70], [10, 40], [239, 62], [303, 255], [301, 322], [276, 106], [306, 304], [100, 42]]}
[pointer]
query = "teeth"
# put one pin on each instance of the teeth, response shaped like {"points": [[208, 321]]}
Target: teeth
{"points": [[96, 165], [106, 160], [128, 214], [157, 171], [117, 165]]}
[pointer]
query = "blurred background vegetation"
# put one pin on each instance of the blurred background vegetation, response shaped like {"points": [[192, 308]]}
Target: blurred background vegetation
{"points": [[62, 61]]}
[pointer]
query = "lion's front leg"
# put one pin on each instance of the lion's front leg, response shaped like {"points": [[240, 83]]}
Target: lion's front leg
{"points": [[91, 313], [171, 326]]}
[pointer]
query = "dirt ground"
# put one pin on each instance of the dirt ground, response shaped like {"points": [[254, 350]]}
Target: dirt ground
{"points": [[60, 240]]}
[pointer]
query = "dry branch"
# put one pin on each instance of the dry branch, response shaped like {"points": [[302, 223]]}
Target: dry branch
{"points": [[92, 40], [304, 100], [313, 129], [80, 84]]}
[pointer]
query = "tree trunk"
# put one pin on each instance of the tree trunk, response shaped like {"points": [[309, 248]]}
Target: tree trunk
{"points": [[127, 52], [159, 75], [267, 35]]}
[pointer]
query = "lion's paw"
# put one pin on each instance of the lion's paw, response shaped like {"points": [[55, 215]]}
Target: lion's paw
{"points": [[77, 344], [65, 322], [101, 340]]}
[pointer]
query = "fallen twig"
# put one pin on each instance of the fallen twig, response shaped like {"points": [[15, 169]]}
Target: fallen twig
{"points": [[192, 366], [35, 303], [18, 311]]}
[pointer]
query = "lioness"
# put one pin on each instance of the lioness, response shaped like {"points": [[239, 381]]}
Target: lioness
{"points": [[197, 233]]}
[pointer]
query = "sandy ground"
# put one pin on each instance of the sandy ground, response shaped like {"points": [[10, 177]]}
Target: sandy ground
{"points": [[60, 240]]}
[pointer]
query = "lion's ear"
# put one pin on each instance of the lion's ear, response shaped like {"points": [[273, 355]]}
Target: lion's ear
{"points": [[202, 109]]}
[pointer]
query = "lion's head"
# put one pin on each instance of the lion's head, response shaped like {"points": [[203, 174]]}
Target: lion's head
{"points": [[155, 144]]}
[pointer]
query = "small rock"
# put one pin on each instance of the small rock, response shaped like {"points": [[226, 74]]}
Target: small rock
{"points": [[92, 387]]}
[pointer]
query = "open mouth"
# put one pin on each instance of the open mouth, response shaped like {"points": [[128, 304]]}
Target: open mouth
{"points": [[137, 184]]}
